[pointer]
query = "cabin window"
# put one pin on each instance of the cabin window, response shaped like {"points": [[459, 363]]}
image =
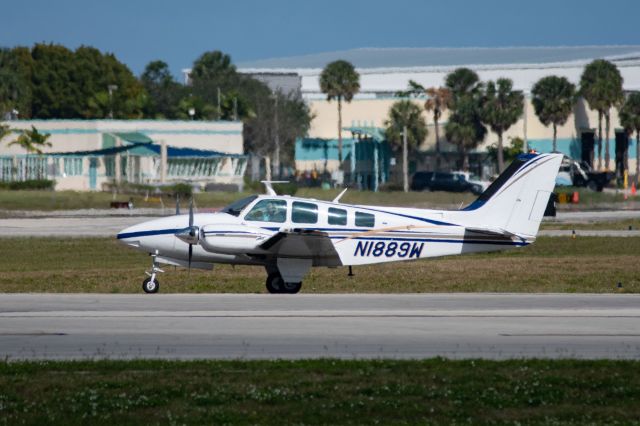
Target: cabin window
{"points": [[365, 219], [337, 216], [268, 211], [304, 212]]}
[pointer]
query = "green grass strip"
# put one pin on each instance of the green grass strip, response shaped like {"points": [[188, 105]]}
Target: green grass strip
{"points": [[434, 391]]}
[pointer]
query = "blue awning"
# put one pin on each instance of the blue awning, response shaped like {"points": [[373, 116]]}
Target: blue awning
{"points": [[148, 149]]}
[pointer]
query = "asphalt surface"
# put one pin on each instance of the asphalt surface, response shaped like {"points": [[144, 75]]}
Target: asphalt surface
{"points": [[100, 224], [492, 326]]}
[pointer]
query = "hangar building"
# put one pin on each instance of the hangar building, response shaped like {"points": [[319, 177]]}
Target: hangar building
{"points": [[385, 71]]}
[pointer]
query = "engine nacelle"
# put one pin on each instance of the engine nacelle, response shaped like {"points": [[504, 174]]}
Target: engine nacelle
{"points": [[233, 239]]}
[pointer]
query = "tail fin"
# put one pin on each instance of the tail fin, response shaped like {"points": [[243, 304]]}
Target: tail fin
{"points": [[515, 202]]}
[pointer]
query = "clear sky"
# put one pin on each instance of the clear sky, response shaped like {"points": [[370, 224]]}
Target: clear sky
{"points": [[138, 31]]}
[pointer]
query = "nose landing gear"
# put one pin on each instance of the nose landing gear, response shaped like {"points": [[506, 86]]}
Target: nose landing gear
{"points": [[152, 284]]}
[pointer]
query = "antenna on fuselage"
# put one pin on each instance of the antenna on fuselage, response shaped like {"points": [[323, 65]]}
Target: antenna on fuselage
{"points": [[337, 199], [268, 185]]}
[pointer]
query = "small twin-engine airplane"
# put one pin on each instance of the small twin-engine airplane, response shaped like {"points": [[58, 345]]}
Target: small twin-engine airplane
{"points": [[288, 235]]}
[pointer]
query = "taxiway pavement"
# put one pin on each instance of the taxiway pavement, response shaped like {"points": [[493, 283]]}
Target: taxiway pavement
{"points": [[257, 326]]}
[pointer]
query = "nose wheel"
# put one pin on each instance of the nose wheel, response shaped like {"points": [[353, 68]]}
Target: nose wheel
{"points": [[152, 284], [277, 285]]}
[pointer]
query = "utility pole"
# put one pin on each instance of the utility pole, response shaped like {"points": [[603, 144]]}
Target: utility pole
{"points": [[405, 160], [111, 88], [525, 146], [276, 151], [235, 109], [219, 108]]}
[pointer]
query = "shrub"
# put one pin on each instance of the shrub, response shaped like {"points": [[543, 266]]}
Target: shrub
{"points": [[34, 184], [286, 188]]}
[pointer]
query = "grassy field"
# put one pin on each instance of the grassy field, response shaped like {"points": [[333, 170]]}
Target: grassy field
{"points": [[435, 391], [70, 200], [550, 265]]}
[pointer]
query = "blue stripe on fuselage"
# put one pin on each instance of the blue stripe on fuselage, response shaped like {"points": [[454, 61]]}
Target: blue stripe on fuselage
{"points": [[150, 233]]}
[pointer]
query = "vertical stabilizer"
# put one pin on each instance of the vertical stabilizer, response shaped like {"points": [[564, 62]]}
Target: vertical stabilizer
{"points": [[515, 202]]}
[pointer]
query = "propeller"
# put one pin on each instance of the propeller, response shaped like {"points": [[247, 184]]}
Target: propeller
{"points": [[191, 234]]}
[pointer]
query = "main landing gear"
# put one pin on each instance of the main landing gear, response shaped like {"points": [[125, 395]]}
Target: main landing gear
{"points": [[151, 284], [276, 285]]}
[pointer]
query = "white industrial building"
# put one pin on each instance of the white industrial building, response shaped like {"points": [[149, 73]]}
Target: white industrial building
{"points": [[385, 71], [90, 154]]}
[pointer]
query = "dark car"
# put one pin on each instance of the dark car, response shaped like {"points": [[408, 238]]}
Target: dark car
{"points": [[441, 181]]}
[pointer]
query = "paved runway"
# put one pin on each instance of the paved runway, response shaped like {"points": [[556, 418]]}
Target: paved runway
{"points": [[495, 326]]}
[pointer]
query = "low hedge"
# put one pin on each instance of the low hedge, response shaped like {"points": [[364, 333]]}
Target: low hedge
{"points": [[34, 184]]}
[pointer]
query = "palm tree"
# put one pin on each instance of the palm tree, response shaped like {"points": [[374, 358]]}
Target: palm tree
{"points": [[553, 98], [405, 123], [438, 100], [462, 81], [502, 108], [465, 128], [340, 81], [32, 141], [601, 86], [630, 120]]}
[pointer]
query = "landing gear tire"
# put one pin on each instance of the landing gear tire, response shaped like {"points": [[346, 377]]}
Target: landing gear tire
{"points": [[292, 288], [151, 286], [276, 285]]}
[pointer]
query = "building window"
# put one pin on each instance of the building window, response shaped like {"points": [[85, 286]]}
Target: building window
{"points": [[268, 211], [110, 166], [337, 216], [304, 212], [365, 219], [73, 166]]}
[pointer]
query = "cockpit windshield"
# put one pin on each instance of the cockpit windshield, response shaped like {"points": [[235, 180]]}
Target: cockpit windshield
{"points": [[236, 207]]}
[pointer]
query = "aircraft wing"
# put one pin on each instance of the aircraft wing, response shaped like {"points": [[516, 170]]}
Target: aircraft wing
{"points": [[303, 244]]}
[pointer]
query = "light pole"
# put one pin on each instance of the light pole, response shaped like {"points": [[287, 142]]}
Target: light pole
{"points": [[112, 88], [192, 113], [276, 151], [405, 159]]}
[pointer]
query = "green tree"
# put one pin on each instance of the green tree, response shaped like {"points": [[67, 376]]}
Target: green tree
{"points": [[32, 141], [438, 100], [630, 120], [4, 131], [553, 99], [15, 84], [340, 81], [213, 75], [164, 93], [601, 87], [405, 116], [195, 108], [278, 119], [510, 152], [502, 108], [462, 82], [464, 128], [68, 84]]}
